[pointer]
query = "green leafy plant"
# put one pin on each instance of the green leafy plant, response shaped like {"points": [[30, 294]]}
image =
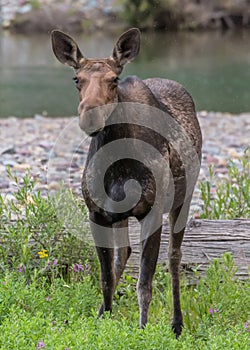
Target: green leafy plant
{"points": [[231, 197], [157, 14], [63, 315], [34, 239], [192, 14]]}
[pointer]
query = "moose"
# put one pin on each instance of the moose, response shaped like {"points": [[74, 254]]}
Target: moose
{"points": [[112, 111]]}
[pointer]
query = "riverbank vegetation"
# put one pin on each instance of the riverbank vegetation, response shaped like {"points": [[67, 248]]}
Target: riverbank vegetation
{"points": [[187, 14], [77, 15], [34, 227], [228, 198], [49, 285]]}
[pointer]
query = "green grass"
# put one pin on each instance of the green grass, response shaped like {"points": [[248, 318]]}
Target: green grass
{"points": [[50, 300], [63, 315]]}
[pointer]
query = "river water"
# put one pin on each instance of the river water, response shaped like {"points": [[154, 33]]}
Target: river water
{"points": [[213, 66]]}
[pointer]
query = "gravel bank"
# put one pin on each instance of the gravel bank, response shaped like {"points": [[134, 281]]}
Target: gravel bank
{"points": [[54, 149]]}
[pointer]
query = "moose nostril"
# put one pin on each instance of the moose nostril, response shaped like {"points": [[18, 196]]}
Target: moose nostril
{"points": [[83, 107]]}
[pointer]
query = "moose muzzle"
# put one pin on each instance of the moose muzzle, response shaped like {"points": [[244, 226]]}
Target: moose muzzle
{"points": [[93, 119]]}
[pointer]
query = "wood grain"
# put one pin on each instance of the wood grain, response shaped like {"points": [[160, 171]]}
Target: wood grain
{"points": [[204, 240]]}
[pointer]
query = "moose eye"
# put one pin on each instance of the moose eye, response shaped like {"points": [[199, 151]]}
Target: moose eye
{"points": [[114, 80]]}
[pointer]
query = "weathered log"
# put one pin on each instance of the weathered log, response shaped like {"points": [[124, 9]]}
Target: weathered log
{"points": [[203, 241]]}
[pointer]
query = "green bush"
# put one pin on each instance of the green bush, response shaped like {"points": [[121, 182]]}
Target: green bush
{"points": [[157, 14], [228, 198], [34, 239], [191, 14]]}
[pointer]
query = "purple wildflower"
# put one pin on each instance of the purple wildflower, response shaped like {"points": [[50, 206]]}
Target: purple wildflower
{"points": [[55, 262], [87, 267], [78, 267], [212, 311], [247, 326], [40, 345], [66, 349], [21, 268], [48, 298]]}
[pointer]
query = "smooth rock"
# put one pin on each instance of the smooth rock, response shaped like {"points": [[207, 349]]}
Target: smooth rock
{"points": [[9, 162], [8, 150], [54, 186], [22, 167], [4, 184]]}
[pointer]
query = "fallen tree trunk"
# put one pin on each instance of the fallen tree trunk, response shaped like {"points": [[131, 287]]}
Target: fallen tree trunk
{"points": [[204, 240]]}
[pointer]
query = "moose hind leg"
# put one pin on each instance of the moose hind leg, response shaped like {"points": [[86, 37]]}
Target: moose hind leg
{"points": [[178, 219], [149, 256]]}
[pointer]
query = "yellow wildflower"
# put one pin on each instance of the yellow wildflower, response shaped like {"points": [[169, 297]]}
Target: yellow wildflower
{"points": [[43, 254]]}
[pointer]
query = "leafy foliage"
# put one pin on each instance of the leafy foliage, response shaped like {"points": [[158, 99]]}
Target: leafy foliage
{"points": [[186, 14], [62, 315], [231, 197], [158, 14], [50, 293], [34, 239]]}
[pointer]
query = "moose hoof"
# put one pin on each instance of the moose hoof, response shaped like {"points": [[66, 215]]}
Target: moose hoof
{"points": [[177, 329], [102, 311]]}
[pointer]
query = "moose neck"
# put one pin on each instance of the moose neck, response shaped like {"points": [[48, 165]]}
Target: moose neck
{"points": [[132, 92], [133, 89]]}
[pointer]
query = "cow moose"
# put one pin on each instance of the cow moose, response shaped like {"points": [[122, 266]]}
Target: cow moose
{"points": [[166, 178]]}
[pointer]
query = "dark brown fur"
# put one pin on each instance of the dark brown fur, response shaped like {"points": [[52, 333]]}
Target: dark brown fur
{"points": [[97, 85]]}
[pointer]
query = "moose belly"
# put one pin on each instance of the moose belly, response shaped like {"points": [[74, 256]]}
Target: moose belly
{"points": [[126, 189]]}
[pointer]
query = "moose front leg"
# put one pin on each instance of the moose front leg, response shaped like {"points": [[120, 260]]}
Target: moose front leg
{"points": [[104, 242], [108, 278], [112, 261]]}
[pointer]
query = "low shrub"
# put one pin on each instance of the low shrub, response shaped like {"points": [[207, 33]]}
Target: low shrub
{"points": [[228, 198]]}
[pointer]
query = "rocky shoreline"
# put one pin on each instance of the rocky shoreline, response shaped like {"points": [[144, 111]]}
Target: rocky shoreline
{"points": [[53, 150], [24, 16], [71, 16]]}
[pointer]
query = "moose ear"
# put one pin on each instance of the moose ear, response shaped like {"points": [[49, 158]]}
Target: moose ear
{"points": [[127, 46], [66, 49]]}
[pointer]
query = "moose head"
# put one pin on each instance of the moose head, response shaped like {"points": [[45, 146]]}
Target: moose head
{"points": [[97, 80]]}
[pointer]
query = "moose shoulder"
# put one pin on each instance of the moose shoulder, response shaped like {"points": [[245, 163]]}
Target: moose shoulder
{"points": [[143, 161]]}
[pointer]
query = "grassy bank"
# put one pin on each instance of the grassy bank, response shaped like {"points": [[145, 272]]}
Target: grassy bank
{"points": [[62, 315], [50, 293]]}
